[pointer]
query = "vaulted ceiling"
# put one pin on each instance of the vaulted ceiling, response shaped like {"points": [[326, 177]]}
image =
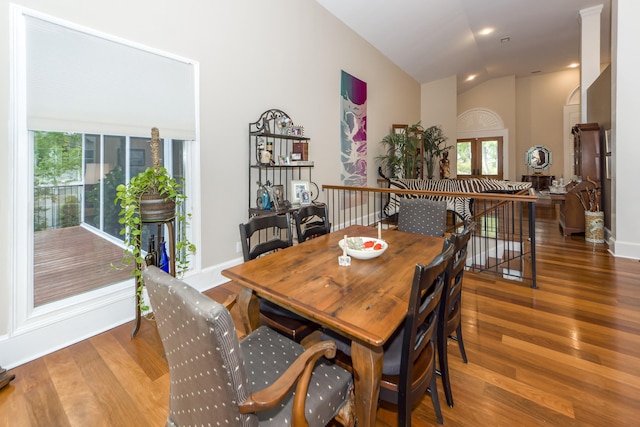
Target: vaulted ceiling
{"points": [[433, 39]]}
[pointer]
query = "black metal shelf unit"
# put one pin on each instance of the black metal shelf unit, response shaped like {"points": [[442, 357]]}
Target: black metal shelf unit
{"points": [[278, 154]]}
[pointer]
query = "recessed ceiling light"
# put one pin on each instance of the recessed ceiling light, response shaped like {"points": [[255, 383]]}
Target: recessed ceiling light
{"points": [[471, 77], [506, 39], [535, 71], [574, 65], [486, 31]]}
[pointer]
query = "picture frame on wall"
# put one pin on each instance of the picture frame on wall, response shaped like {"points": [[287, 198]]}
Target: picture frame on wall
{"points": [[297, 190], [399, 129]]}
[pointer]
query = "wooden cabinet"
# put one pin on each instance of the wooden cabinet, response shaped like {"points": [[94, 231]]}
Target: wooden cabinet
{"points": [[571, 210], [587, 151], [539, 181]]}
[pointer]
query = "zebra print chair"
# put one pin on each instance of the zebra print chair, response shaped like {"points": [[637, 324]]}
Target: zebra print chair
{"points": [[462, 205]]}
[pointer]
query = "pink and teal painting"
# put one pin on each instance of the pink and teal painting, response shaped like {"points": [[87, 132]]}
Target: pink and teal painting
{"points": [[353, 135]]}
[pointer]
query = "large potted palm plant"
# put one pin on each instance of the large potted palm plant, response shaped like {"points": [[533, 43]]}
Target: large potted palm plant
{"points": [[434, 142], [402, 158]]}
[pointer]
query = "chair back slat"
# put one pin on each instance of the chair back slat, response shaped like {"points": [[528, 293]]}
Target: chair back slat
{"points": [[256, 231]]}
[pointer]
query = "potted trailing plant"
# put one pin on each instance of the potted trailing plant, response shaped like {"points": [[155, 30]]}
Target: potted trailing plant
{"points": [[434, 146], [151, 196], [402, 158]]}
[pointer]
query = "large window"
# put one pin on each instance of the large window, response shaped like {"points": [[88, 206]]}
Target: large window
{"points": [[479, 158], [85, 106]]}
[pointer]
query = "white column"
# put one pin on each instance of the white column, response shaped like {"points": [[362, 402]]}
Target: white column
{"points": [[624, 114], [589, 52]]}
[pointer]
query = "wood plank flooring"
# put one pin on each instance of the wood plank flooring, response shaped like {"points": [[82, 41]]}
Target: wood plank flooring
{"points": [[566, 354], [72, 260]]}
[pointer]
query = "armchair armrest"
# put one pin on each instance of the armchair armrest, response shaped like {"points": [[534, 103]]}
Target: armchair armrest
{"points": [[300, 371]]}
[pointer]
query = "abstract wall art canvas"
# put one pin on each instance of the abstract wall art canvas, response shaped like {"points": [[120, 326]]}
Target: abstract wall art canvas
{"points": [[353, 134]]}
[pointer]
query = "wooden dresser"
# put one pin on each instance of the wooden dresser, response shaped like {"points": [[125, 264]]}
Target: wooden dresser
{"points": [[571, 210], [539, 181]]}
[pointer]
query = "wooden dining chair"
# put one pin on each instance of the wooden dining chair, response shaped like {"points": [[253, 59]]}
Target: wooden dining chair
{"points": [[423, 216], [450, 313], [409, 362], [259, 237], [312, 221], [264, 380]]}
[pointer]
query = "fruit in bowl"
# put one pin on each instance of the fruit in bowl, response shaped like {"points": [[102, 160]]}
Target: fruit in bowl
{"points": [[363, 247]]}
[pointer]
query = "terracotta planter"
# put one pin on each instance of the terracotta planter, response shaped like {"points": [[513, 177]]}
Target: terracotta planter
{"points": [[154, 208]]}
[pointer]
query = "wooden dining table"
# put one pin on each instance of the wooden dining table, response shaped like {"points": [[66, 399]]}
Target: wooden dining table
{"points": [[365, 302]]}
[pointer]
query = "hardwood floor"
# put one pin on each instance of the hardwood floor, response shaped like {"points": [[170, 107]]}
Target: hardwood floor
{"points": [[62, 258], [566, 354]]}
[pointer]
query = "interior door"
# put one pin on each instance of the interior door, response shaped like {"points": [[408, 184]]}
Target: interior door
{"points": [[479, 158]]}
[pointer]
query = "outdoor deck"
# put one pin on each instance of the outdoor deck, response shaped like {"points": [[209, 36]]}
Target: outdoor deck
{"points": [[69, 261]]}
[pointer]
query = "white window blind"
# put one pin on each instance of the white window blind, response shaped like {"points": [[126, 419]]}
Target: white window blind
{"points": [[81, 82]]}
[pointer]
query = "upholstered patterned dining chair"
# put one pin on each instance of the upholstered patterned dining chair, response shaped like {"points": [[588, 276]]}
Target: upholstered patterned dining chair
{"points": [[255, 240], [423, 216], [264, 380], [409, 362], [450, 313]]}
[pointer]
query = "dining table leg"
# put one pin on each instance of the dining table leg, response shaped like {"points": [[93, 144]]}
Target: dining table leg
{"points": [[367, 366], [249, 308]]}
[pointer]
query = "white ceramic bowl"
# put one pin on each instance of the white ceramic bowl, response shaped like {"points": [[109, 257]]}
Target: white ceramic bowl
{"points": [[356, 247]]}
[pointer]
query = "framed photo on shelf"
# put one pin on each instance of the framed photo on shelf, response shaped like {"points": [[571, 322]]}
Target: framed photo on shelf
{"points": [[298, 190], [296, 131]]}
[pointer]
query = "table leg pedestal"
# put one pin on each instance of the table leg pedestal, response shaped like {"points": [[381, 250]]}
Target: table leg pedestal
{"points": [[367, 367], [249, 308]]}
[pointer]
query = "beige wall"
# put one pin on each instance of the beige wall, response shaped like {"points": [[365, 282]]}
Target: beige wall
{"points": [[438, 107], [539, 114], [254, 55], [499, 96]]}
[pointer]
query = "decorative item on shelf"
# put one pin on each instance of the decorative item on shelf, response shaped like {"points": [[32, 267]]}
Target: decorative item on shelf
{"points": [[152, 255], [301, 150], [265, 125], [263, 200], [278, 196], [593, 216], [283, 124], [164, 257], [297, 188], [296, 131]]}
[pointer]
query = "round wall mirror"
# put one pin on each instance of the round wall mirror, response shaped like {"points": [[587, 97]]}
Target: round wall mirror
{"points": [[538, 157]]}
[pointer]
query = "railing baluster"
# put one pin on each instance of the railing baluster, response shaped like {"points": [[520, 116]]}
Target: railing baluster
{"points": [[498, 245]]}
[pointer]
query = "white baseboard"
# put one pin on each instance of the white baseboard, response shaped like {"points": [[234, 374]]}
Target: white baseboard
{"points": [[82, 321], [624, 249]]}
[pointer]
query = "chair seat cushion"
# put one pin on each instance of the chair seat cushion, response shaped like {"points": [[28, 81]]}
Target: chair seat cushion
{"points": [[267, 354]]}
